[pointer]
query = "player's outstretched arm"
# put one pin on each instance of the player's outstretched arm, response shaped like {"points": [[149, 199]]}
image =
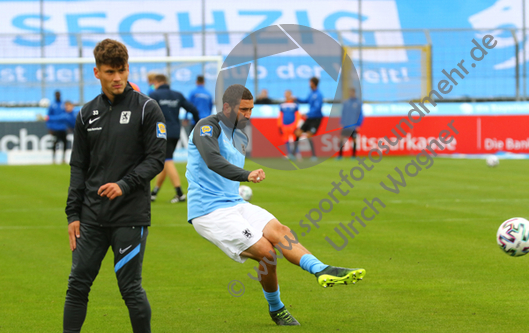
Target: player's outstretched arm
{"points": [[256, 176]]}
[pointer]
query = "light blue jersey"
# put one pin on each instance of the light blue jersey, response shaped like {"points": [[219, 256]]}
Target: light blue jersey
{"points": [[216, 155]]}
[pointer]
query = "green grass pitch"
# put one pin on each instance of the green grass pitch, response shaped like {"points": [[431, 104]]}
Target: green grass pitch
{"points": [[431, 257]]}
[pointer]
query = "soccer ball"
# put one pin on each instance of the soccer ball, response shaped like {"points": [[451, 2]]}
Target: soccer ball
{"points": [[513, 236], [245, 192], [44, 103], [493, 161]]}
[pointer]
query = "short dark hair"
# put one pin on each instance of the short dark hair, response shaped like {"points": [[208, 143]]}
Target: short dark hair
{"points": [[315, 80], [161, 78], [200, 79], [112, 53], [235, 93]]}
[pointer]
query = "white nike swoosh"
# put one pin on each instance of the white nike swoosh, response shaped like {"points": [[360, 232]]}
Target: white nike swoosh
{"points": [[124, 250], [92, 120]]}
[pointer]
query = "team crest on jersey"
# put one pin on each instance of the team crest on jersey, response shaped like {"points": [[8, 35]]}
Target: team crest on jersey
{"points": [[125, 117], [206, 131], [95, 112], [160, 131]]}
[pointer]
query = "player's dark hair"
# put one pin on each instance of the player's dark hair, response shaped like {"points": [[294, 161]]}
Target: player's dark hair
{"points": [[315, 80], [160, 78], [200, 79], [112, 53], [235, 93]]}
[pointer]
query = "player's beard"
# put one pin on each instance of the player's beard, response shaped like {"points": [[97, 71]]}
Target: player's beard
{"points": [[242, 122]]}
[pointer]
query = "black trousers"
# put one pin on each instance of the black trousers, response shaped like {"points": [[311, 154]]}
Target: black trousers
{"points": [[348, 133], [128, 245], [60, 136]]}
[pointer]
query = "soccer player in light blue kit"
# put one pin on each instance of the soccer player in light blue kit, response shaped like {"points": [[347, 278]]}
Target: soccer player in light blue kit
{"points": [[314, 116], [217, 148]]}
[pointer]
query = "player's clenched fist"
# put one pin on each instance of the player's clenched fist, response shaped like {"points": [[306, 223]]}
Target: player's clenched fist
{"points": [[257, 176], [110, 190]]}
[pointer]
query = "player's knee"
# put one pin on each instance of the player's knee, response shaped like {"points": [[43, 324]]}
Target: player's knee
{"points": [[131, 293], [265, 250], [279, 233], [78, 291]]}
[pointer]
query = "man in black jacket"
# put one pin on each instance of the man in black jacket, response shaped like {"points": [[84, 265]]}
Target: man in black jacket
{"points": [[119, 146], [170, 102]]}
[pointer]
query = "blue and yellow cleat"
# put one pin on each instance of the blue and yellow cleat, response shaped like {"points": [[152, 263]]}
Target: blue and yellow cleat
{"points": [[338, 275]]}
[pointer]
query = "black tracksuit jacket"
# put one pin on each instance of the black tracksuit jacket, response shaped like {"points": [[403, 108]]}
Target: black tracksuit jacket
{"points": [[121, 142]]}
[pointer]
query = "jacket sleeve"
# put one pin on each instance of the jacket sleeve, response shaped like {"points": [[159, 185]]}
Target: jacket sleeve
{"points": [[79, 163], [208, 147], [360, 117], [190, 108], [154, 142], [303, 100]]}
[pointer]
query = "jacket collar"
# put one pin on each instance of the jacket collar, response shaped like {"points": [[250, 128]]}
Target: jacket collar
{"points": [[163, 86], [120, 97]]}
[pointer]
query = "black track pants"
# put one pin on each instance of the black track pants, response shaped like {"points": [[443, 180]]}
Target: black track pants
{"points": [[128, 245]]}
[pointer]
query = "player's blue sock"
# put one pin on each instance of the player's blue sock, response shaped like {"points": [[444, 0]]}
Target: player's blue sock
{"points": [[311, 264], [273, 300]]}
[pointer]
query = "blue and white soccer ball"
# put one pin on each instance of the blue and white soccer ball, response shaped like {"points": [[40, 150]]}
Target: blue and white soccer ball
{"points": [[513, 236], [493, 161], [245, 192]]}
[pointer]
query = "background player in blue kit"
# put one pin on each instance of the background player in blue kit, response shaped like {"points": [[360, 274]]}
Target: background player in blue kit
{"points": [[351, 120], [56, 125], [217, 148], [314, 116], [170, 102], [201, 98]]}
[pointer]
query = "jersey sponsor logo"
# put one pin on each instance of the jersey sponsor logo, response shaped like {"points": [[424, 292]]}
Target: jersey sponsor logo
{"points": [[92, 120], [172, 103], [247, 233], [160, 131], [206, 131], [94, 129], [125, 117]]}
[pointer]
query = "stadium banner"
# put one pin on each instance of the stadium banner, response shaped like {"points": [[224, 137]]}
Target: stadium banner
{"points": [[30, 142], [393, 75], [477, 135]]}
